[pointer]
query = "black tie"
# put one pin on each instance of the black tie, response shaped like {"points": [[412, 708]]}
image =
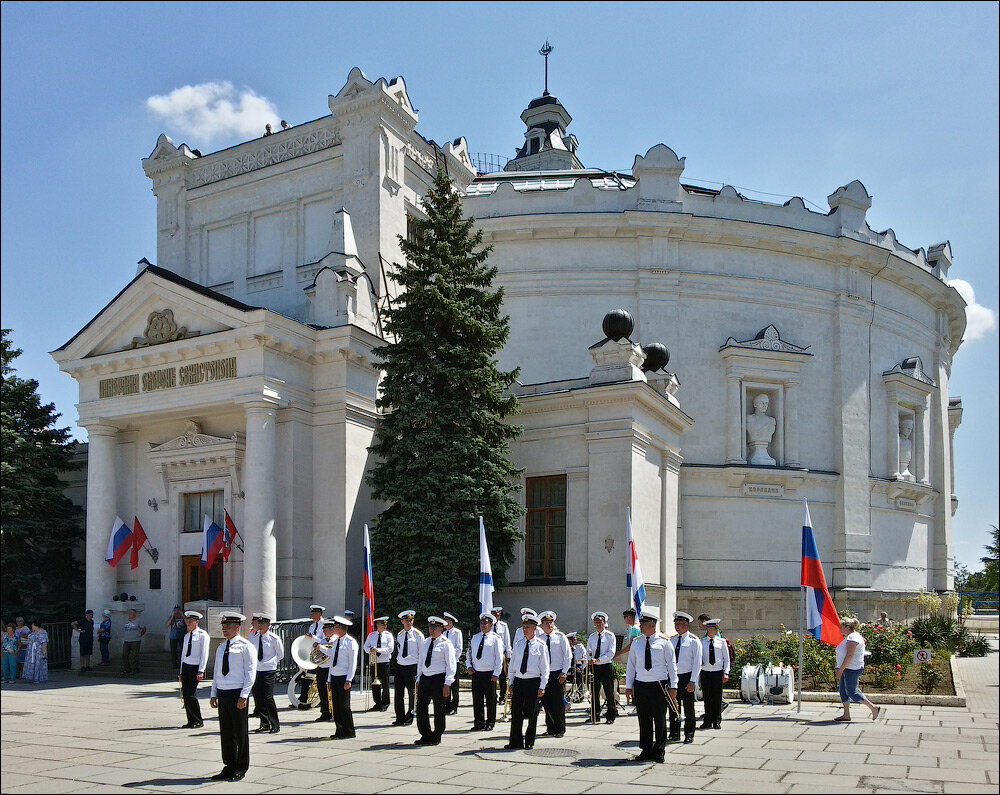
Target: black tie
{"points": [[524, 657], [188, 652], [378, 643], [260, 647], [225, 660], [548, 646], [597, 651], [677, 649], [711, 652], [336, 653], [406, 645], [479, 654], [430, 651], [649, 657]]}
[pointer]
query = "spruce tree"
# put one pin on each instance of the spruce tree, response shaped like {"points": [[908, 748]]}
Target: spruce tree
{"points": [[441, 441], [40, 527]]}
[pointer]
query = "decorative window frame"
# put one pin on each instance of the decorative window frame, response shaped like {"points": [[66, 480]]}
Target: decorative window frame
{"points": [[771, 365], [197, 456], [908, 392]]}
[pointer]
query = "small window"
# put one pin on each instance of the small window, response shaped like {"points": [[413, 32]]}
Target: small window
{"points": [[203, 503], [545, 528], [534, 145]]}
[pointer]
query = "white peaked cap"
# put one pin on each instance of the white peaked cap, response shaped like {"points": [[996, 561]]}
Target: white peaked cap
{"points": [[599, 614], [193, 614], [435, 620], [650, 614], [451, 618], [316, 607], [529, 615], [381, 618], [686, 616], [546, 614], [408, 614], [486, 616], [229, 616], [344, 622]]}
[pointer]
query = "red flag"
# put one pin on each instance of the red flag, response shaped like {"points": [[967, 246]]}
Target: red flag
{"points": [[139, 540], [230, 536]]}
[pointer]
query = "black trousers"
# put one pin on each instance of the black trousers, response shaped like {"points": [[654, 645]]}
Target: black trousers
{"points": [[342, 715], [234, 730], [453, 696], [554, 703], [175, 652], [651, 710], [263, 699], [189, 689], [502, 684], [322, 677], [524, 706], [686, 702], [484, 699], [711, 690], [604, 679], [380, 692], [431, 689], [406, 677]]}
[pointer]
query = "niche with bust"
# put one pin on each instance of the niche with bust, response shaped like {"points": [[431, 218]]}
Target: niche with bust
{"points": [[761, 428]]}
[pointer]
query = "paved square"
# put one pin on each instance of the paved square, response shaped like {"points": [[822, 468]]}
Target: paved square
{"points": [[85, 735]]}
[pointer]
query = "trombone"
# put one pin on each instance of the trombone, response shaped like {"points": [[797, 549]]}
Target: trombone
{"points": [[510, 688], [588, 683]]}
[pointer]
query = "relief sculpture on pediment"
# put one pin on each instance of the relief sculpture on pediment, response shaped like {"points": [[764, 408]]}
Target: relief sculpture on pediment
{"points": [[161, 327]]}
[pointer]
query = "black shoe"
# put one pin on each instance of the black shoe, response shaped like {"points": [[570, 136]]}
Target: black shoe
{"points": [[689, 739], [303, 706], [223, 776], [511, 747], [376, 708], [674, 738], [408, 721], [262, 730], [238, 776], [528, 746], [323, 719], [398, 722], [188, 726], [643, 757], [488, 727], [705, 725], [660, 758], [422, 741], [557, 735], [384, 708], [434, 741], [717, 724], [476, 728], [198, 725], [609, 721], [274, 730]]}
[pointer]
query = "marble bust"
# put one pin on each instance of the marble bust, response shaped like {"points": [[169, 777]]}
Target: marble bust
{"points": [[760, 431], [905, 448]]}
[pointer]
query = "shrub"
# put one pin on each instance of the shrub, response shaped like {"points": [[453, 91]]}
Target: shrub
{"points": [[975, 646], [883, 677], [928, 678], [889, 644], [928, 603]]}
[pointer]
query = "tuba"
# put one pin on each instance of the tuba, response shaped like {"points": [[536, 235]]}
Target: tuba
{"points": [[304, 655]]}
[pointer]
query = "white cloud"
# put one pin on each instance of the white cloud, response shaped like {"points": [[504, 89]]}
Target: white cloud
{"points": [[213, 110], [981, 320]]}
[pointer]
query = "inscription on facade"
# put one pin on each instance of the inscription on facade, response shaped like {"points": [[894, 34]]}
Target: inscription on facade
{"points": [[168, 378], [762, 490]]}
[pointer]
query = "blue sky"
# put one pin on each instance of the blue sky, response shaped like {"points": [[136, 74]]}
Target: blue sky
{"points": [[781, 99]]}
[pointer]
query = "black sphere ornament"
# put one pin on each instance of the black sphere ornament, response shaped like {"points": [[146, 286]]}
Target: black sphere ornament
{"points": [[617, 324], [124, 597], [114, 598], [657, 357], [132, 598]]}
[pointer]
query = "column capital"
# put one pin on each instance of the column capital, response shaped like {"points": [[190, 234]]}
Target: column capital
{"points": [[98, 428]]}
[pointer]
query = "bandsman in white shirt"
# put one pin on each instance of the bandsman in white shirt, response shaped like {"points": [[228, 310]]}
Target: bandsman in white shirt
{"points": [[454, 635], [501, 628], [315, 629], [650, 673], [687, 655], [194, 660], [343, 651], [270, 652], [579, 648], [436, 673], [381, 643], [408, 643], [601, 647], [715, 664], [485, 663], [560, 660], [529, 671], [322, 670], [232, 681]]}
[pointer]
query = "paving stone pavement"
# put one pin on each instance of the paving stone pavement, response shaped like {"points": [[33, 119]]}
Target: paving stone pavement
{"points": [[79, 736]]}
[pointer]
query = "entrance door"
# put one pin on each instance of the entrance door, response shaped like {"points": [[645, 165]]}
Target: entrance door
{"points": [[199, 583]]}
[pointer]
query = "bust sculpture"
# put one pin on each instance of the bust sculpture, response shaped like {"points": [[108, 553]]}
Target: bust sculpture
{"points": [[760, 431], [905, 448]]}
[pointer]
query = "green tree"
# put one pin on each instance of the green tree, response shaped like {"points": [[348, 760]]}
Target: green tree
{"points": [[442, 443], [40, 526], [991, 572]]}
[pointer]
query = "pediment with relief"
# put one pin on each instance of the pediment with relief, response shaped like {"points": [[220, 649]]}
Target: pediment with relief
{"points": [[198, 455], [767, 339]]}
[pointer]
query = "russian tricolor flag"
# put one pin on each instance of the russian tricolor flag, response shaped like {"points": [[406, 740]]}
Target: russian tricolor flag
{"points": [[119, 543], [212, 542], [822, 620], [633, 574], [368, 588]]}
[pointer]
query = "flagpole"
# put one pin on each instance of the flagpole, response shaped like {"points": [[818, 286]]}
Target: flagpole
{"points": [[802, 612]]}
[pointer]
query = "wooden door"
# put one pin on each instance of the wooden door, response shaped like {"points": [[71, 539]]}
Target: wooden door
{"points": [[198, 583]]}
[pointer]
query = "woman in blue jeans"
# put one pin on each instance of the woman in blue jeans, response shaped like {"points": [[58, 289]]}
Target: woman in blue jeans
{"points": [[850, 666]]}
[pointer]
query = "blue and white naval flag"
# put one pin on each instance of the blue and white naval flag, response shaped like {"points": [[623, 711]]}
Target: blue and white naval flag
{"points": [[633, 574], [485, 573]]}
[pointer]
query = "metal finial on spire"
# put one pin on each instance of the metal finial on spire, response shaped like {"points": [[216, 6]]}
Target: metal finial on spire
{"points": [[544, 52]]}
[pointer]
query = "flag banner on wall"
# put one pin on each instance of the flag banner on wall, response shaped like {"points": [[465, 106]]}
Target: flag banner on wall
{"points": [[138, 542], [119, 543], [485, 573], [212, 541], [822, 620], [368, 588], [231, 533], [633, 573]]}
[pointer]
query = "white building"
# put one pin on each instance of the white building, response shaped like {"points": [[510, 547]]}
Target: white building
{"points": [[237, 374]]}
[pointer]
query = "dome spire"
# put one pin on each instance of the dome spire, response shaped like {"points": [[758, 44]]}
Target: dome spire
{"points": [[544, 52]]}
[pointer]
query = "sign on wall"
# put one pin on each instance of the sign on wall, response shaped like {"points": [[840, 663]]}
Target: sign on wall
{"points": [[168, 378]]}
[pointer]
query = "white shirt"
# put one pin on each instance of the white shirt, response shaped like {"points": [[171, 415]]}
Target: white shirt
{"points": [[242, 667], [858, 660], [503, 631], [579, 655], [661, 652], [199, 640], [272, 648], [382, 641], [442, 659], [323, 647], [689, 660], [493, 651], [345, 652], [315, 629], [722, 661], [413, 652], [560, 656], [607, 646], [538, 660], [455, 636]]}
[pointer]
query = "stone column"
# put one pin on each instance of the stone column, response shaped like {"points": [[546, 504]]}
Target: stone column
{"points": [[734, 421], [102, 507], [892, 436], [922, 443], [260, 569], [791, 425]]}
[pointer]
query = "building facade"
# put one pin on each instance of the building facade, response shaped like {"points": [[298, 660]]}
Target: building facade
{"points": [[808, 357]]}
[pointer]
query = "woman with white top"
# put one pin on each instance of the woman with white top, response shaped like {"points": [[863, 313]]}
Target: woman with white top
{"points": [[850, 666]]}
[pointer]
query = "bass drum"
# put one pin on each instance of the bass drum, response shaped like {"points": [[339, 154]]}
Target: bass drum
{"points": [[753, 684], [295, 691], [779, 681]]}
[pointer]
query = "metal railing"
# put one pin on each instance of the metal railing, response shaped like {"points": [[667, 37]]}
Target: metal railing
{"points": [[982, 602], [485, 163], [60, 648], [288, 631]]}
